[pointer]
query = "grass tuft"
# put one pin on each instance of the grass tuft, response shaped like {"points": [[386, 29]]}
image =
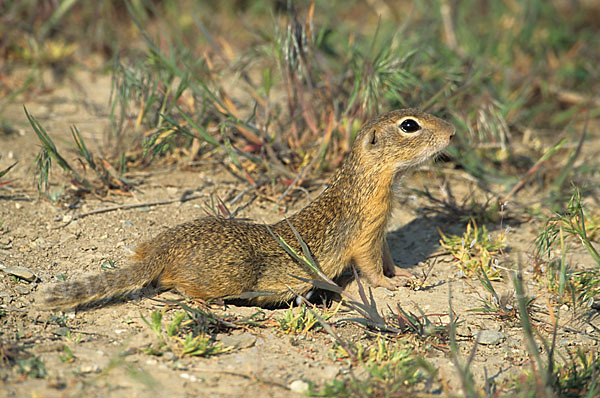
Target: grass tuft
{"points": [[391, 370], [476, 250], [301, 320], [181, 336]]}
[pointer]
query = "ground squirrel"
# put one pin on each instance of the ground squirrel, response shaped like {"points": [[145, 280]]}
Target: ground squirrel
{"points": [[213, 257]]}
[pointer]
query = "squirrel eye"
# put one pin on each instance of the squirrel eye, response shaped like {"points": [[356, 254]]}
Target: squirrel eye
{"points": [[409, 126]]}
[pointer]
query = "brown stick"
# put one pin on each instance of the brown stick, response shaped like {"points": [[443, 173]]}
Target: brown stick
{"points": [[131, 206]]}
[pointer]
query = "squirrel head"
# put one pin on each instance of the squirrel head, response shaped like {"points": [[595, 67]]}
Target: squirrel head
{"points": [[401, 139]]}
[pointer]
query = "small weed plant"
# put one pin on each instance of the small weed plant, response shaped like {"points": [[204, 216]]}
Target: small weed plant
{"points": [[391, 369], [301, 319], [575, 225], [476, 249], [177, 337]]}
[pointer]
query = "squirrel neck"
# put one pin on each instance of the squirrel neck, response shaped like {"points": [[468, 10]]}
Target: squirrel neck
{"points": [[355, 207], [360, 192]]}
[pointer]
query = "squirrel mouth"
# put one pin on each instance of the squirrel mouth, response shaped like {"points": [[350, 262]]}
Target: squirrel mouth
{"points": [[432, 152]]}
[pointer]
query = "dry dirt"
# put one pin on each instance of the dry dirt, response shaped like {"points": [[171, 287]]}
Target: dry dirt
{"points": [[107, 342]]}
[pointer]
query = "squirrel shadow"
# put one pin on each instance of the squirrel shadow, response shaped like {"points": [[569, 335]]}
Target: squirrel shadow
{"points": [[415, 241]]}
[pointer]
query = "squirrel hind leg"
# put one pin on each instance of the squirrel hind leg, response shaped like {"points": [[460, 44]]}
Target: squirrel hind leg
{"points": [[371, 266]]}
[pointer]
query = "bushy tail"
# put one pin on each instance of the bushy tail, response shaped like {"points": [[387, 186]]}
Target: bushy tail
{"points": [[98, 287]]}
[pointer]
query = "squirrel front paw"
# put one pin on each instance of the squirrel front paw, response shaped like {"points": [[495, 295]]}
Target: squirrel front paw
{"points": [[388, 283]]}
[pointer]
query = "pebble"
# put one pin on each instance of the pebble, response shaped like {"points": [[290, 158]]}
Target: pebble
{"points": [[329, 372], [40, 242], [245, 340], [66, 237], [189, 377], [89, 369], [65, 108], [299, 386], [169, 356], [20, 272], [22, 289], [6, 243], [563, 342], [178, 365], [490, 337], [590, 330]]}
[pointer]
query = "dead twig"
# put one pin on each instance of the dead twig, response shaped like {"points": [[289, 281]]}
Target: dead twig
{"points": [[131, 206]]}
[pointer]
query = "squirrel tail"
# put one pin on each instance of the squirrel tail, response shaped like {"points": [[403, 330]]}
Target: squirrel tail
{"points": [[101, 286]]}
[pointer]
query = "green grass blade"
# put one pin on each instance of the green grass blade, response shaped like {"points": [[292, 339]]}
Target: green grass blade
{"points": [[48, 144], [6, 170]]}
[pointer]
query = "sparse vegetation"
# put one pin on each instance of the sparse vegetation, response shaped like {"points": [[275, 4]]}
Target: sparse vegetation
{"points": [[390, 370], [500, 305], [67, 355]]}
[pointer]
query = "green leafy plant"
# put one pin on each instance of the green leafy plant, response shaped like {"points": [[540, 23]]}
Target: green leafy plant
{"points": [[32, 367], [193, 344], [475, 250], [74, 338], [301, 319], [574, 222], [155, 322], [200, 345], [67, 355], [502, 306]]}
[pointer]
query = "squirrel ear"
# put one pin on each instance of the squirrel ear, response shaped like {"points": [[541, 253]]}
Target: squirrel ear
{"points": [[370, 138]]}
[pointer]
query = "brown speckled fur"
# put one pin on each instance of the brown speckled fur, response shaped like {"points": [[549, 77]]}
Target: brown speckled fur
{"points": [[211, 257]]}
